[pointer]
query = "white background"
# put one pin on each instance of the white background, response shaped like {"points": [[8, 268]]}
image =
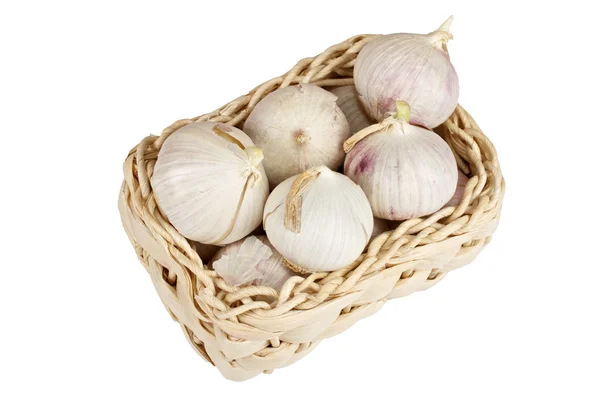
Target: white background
{"points": [[82, 82]]}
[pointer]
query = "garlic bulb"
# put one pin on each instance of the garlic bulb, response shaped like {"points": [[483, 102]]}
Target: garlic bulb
{"points": [[251, 260], [298, 127], [460, 189], [352, 107], [409, 67], [209, 182], [406, 171], [319, 220]]}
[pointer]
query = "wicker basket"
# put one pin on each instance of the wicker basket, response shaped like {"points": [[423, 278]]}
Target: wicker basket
{"points": [[248, 330]]}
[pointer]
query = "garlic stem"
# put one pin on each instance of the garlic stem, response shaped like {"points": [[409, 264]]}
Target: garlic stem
{"points": [[440, 39], [360, 135], [442, 35], [223, 130], [255, 155], [293, 201], [445, 27], [402, 114], [301, 138], [402, 110]]}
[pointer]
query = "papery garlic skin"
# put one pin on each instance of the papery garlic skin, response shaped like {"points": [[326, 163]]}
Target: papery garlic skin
{"points": [[409, 67], [319, 220], [236, 263], [274, 272], [252, 260], [209, 182], [405, 171], [352, 107], [460, 190], [298, 127]]}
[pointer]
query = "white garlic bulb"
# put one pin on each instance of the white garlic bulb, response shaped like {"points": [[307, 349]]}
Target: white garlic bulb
{"points": [[406, 171], [252, 260], [209, 182], [460, 189], [319, 220], [347, 100], [409, 67], [298, 127]]}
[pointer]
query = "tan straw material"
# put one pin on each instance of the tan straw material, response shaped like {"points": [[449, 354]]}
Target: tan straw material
{"points": [[247, 330]]}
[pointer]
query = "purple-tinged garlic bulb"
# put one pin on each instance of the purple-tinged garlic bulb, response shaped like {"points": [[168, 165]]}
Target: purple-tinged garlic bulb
{"points": [[353, 109], [406, 171], [298, 128], [408, 67]]}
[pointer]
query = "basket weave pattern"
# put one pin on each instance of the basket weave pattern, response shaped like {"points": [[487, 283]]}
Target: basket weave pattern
{"points": [[248, 330]]}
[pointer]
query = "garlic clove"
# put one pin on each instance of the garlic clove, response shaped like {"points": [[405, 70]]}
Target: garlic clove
{"points": [[252, 260], [405, 171], [352, 108], [298, 127], [209, 182], [409, 67], [318, 220]]}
